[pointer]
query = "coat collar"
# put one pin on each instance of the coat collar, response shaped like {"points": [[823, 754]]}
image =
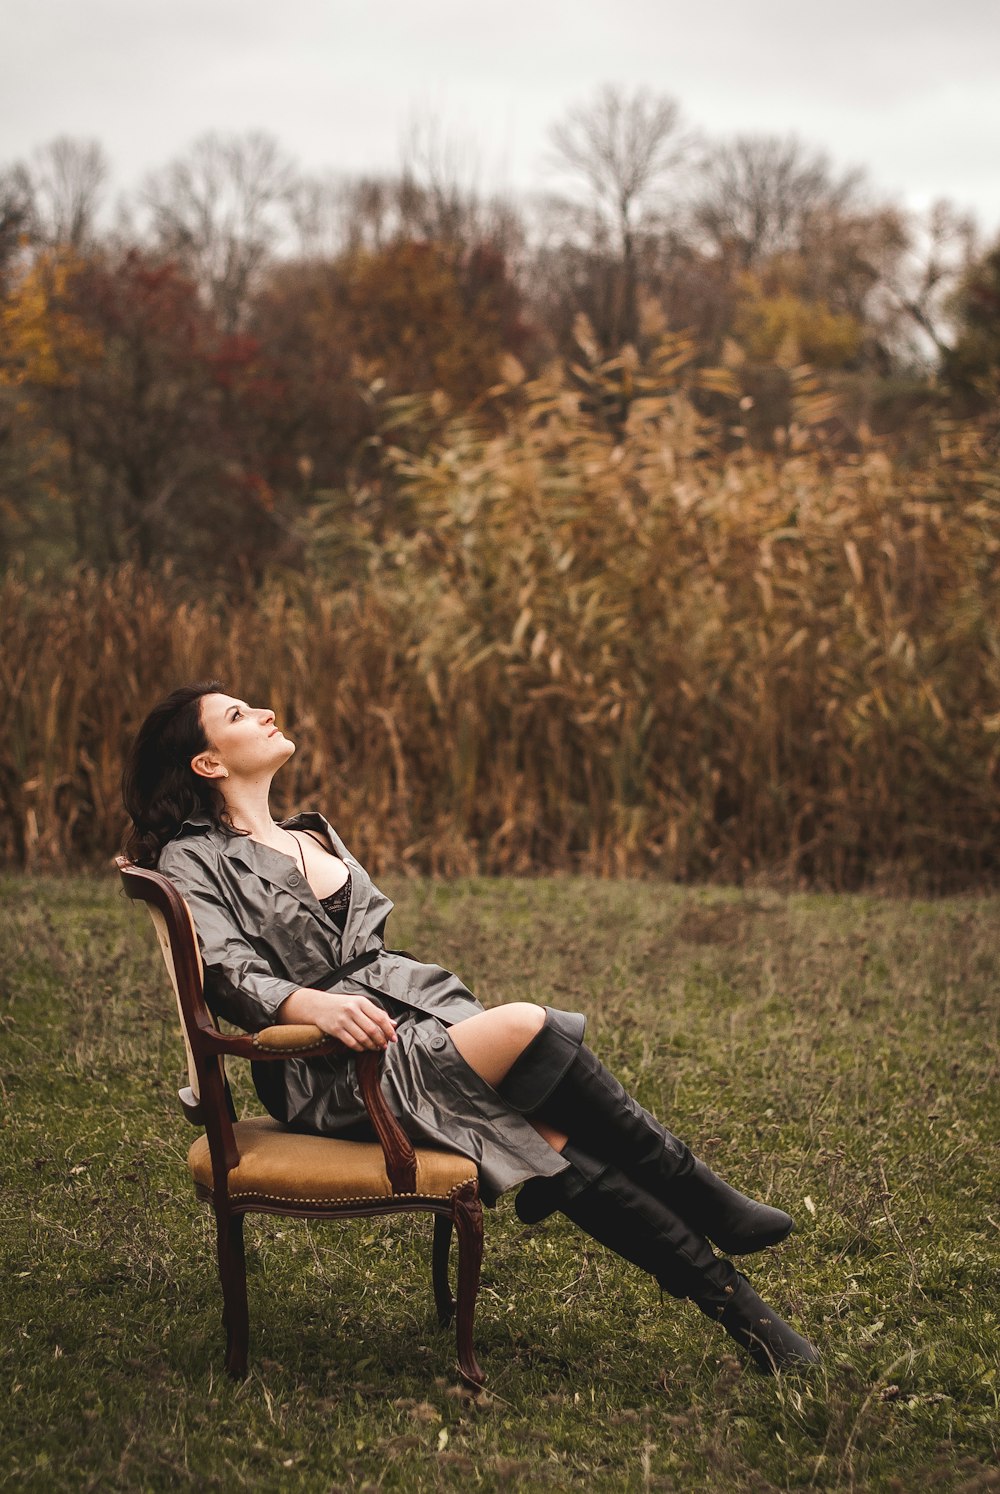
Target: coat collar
{"points": [[201, 823], [280, 870]]}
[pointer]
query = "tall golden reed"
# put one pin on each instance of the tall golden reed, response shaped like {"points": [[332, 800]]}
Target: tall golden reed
{"points": [[598, 649]]}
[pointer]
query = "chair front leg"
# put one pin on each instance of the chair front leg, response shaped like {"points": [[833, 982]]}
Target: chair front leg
{"points": [[468, 1217], [443, 1300], [233, 1276]]}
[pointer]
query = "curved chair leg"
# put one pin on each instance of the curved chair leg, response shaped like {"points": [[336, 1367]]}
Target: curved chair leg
{"points": [[468, 1216], [443, 1300], [233, 1275]]}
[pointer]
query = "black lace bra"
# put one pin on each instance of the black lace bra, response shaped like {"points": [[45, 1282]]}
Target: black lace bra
{"points": [[335, 906]]}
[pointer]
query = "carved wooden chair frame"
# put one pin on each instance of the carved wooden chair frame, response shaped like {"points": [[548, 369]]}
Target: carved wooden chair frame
{"points": [[207, 1102]]}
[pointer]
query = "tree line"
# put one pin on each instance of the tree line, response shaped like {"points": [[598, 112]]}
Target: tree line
{"points": [[616, 652], [214, 375]]}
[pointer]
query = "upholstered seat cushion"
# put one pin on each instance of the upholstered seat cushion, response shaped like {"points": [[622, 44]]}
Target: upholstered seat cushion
{"points": [[283, 1166]]}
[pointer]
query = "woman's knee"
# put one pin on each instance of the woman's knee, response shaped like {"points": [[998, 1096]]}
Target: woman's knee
{"points": [[493, 1040], [522, 1020]]}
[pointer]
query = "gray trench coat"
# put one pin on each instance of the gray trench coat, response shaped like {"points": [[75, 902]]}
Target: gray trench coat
{"points": [[263, 934]]}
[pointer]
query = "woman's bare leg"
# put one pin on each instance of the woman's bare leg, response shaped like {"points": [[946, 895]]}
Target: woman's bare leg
{"points": [[492, 1041]]}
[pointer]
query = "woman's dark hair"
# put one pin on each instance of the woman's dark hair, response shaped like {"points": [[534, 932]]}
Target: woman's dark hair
{"points": [[159, 787]]}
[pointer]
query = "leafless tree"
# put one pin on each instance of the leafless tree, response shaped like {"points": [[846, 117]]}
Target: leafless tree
{"points": [[222, 210], [438, 193], [15, 221], [435, 195], [943, 244], [758, 195], [623, 148], [64, 183], [323, 214], [896, 273]]}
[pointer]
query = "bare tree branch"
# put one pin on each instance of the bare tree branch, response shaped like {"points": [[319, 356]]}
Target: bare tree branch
{"points": [[221, 210], [65, 182], [759, 194], [623, 147]]}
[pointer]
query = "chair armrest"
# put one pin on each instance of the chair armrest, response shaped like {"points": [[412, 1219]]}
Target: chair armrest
{"points": [[282, 1041], [287, 1040], [290, 1037]]}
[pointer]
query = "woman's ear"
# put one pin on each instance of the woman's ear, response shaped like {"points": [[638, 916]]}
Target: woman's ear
{"points": [[208, 766]]}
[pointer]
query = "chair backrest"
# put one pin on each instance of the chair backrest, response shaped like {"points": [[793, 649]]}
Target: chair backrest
{"points": [[175, 934]]}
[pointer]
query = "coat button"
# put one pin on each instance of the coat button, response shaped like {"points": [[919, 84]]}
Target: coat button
{"points": [[294, 879], [437, 1043]]}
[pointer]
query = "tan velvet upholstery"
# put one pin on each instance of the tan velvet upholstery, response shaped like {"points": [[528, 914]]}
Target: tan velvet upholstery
{"points": [[279, 1164], [288, 1038]]}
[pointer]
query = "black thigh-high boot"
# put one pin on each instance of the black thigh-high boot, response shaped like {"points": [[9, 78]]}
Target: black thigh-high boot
{"points": [[639, 1227], [560, 1081]]}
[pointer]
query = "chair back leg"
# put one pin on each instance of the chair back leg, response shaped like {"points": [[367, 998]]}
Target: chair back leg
{"points": [[233, 1276], [443, 1300], [468, 1216]]}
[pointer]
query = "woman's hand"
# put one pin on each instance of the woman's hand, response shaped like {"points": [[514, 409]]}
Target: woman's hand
{"points": [[355, 1020]]}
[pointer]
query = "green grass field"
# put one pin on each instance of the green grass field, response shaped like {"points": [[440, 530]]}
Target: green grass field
{"points": [[838, 1055]]}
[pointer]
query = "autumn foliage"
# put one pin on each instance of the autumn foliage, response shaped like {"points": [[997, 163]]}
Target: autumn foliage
{"points": [[625, 650]]}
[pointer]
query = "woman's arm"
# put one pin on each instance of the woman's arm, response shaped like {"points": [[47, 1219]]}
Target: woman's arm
{"points": [[355, 1020], [244, 988]]}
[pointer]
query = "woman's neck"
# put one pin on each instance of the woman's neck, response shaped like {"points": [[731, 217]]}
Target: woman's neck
{"points": [[250, 810]]}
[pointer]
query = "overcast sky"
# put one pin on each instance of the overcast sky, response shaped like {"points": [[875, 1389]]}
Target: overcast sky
{"points": [[909, 89]]}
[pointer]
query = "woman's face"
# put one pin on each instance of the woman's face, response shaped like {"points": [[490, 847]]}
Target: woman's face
{"points": [[244, 741]]}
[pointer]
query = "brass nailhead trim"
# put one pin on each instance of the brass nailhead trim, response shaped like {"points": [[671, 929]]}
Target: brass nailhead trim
{"points": [[302, 1048], [362, 1198]]}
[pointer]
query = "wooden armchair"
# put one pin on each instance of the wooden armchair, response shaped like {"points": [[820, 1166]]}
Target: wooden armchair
{"points": [[260, 1166]]}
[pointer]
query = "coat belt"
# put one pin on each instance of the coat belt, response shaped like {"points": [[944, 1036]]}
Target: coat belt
{"points": [[357, 963]]}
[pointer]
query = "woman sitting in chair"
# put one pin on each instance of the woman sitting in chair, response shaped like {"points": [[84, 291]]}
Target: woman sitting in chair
{"points": [[291, 930]]}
